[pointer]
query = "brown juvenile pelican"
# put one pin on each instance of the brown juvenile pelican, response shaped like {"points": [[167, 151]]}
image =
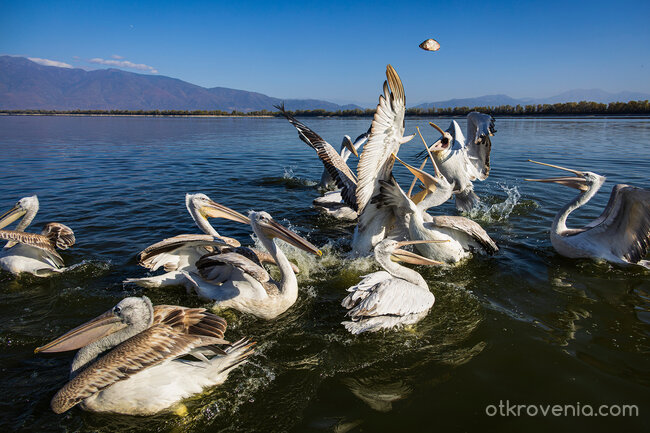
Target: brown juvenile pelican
{"points": [[463, 235], [129, 358], [620, 235], [30, 252], [239, 282], [376, 163], [462, 160], [391, 298], [341, 204]]}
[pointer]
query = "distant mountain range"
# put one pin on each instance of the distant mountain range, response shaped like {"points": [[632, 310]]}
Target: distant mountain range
{"points": [[28, 85], [577, 95]]}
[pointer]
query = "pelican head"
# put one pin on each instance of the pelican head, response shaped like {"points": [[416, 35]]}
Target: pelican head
{"points": [[393, 249], [23, 206], [444, 143], [347, 144], [201, 207], [129, 312], [264, 224], [583, 180]]}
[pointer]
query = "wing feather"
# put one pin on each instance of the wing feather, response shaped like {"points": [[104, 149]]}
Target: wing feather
{"points": [[624, 225], [165, 253], [336, 167], [386, 135], [392, 297], [35, 240], [478, 144], [469, 227]]}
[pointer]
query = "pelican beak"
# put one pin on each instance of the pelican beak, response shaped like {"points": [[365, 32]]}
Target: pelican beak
{"points": [[347, 143], [573, 182], [216, 210], [276, 230], [430, 182], [578, 182], [85, 334], [438, 145], [11, 215], [400, 255]]}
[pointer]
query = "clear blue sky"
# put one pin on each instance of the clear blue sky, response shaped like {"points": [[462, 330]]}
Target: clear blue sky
{"points": [[338, 50]]}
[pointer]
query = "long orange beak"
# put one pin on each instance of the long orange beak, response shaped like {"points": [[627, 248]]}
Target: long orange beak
{"points": [[85, 334], [401, 255], [274, 229], [578, 182]]}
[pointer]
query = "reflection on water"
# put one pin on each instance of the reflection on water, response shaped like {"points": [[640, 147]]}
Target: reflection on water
{"points": [[523, 325]]}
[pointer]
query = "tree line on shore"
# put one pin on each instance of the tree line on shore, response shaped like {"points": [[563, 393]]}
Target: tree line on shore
{"points": [[559, 109]]}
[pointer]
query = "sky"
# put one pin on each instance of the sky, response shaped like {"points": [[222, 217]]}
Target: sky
{"points": [[338, 50]]}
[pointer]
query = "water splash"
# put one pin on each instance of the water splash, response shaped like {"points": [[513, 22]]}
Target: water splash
{"points": [[492, 210], [289, 180]]}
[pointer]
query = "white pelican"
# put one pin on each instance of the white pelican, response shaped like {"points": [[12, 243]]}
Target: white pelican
{"points": [[391, 298], [141, 374], [463, 160], [239, 281], [178, 255], [30, 252], [620, 235], [341, 204], [376, 163], [464, 236]]}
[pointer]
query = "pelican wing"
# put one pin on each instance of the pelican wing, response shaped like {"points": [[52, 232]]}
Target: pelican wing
{"points": [[210, 264], [391, 296], [35, 240], [386, 136], [159, 343], [625, 223], [332, 160], [257, 256], [468, 227], [195, 321], [478, 144], [166, 252], [60, 235]]}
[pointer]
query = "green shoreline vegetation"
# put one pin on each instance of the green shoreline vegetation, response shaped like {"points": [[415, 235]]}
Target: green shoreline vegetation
{"points": [[560, 109]]}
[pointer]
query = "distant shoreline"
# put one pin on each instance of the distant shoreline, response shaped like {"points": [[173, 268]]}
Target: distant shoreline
{"points": [[583, 108]]}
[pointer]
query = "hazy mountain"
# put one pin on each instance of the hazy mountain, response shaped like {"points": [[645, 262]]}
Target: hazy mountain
{"points": [[28, 85], [577, 95]]}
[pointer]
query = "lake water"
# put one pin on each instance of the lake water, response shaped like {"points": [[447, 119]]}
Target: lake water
{"points": [[524, 326]]}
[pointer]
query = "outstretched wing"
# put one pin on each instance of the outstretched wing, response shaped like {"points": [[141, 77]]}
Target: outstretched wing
{"points": [[161, 342], [168, 252], [210, 267], [35, 240], [386, 136], [332, 160], [478, 144], [195, 321], [468, 227], [624, 225], [60, 235]]}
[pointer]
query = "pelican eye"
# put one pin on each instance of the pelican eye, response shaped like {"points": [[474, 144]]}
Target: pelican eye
{"points": [[117, 310]]}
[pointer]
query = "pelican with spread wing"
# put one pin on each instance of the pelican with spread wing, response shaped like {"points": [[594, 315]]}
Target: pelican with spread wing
{"points": [[620, 235], [376, 163], [31, 252], [462, 160], [240, 282], [462, 236], [129, 358], [391, 298], [341, 204]]}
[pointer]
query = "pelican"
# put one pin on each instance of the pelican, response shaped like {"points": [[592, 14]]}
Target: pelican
{"points": [[240, 282], [341, 204], [463, 160], [463, 235], [620, 235], [141, 372], [178, 255], [31, 252], [391, 298], [376, 163]]}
